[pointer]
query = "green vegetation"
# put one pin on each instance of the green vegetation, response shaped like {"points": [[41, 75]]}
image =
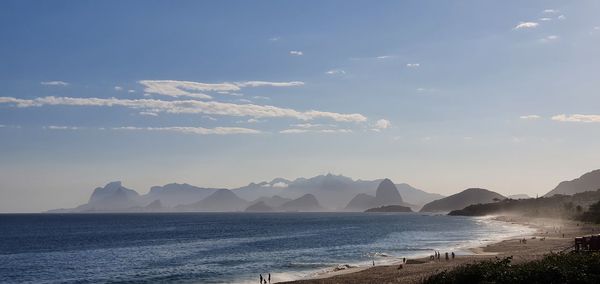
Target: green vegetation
{"points": [[557, 206], [554, 268], [593, 214]]}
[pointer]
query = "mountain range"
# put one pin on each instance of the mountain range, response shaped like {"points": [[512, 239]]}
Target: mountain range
{"points": [[587, 182], [320, 193], [462, 199]]}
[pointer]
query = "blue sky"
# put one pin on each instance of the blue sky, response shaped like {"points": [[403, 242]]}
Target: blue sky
{"points": [[443, 95]]}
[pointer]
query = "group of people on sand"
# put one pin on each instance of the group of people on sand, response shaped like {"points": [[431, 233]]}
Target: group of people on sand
{"points": [[263, 280], [437, 255]]}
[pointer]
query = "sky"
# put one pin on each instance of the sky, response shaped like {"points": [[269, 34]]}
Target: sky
{"points": [[443, 95]]}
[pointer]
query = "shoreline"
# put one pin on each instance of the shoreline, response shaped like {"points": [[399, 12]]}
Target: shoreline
{"points": [[547, 237]]}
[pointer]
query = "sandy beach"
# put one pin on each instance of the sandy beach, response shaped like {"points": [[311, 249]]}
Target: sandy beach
{"points": [[550, 236]]}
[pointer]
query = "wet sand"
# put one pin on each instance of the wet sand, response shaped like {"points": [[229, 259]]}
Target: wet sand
{"points": [[547, 238]]}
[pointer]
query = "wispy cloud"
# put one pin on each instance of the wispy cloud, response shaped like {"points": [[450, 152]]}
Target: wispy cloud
{"points": [[148, 113], [261, 98], [62, 127], [296, 53], [583, 118], [118, 88], [381, 124], [550, 11], [187, 107], [413, 65], [54, 83], [197, 90], [194, 130], [526, 25], [335, 72], [530, 116], [562, 17], [304, 130], [268, 84], [549, 38]]}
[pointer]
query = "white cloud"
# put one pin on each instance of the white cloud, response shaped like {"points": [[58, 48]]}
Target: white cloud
{"points": [[335, 72], [10, 126], [312, 125], [297, 131], [245, 101], [526, 25], [54, 83], [413, 65], [118, 88], [562, 17], [174, 88], [275, 38], [187, 107], [296, 53], [58, 127], [269, 84], [530, 116], [545, 19], [550, 11], [261, 98], [195, 130], [549, 38], [184, 88], [385, 57], [131, 91], [280, 185], [209, 117], [584, 118], [252, 120], [148, 113], [382, 124]]}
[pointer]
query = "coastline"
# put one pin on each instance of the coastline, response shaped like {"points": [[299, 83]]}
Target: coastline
{"points": [[547, 237]]}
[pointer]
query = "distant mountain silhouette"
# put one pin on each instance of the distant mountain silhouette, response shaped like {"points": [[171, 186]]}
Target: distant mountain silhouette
{"points": [[461, 200], [519, 196], [556, 206], [259, 207], [390, 208], [362, 201], [275, 201], [112, 197], [222, 200], [174, 194], [307, 202], [333, 192], [385, 194], [587, 182]]}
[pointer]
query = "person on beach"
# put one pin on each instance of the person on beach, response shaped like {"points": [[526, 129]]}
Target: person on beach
{"points": [[261, 279], [453, 255], [269, 278], [373, 263], [404, 260], [447, 256]]}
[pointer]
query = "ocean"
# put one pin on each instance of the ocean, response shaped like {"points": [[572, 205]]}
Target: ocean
{"points": [[223, 247]]}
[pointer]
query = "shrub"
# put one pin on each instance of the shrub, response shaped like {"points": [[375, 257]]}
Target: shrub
{"points": [[553, 268]]}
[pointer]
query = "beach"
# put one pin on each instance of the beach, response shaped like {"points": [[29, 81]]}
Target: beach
{"points": [[549, 236]]}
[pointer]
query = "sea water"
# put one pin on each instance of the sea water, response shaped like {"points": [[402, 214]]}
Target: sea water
{"points": [[224, 247]]}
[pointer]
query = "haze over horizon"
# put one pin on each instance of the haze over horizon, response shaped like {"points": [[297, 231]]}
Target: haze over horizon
{"points": [[443, 96]]}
